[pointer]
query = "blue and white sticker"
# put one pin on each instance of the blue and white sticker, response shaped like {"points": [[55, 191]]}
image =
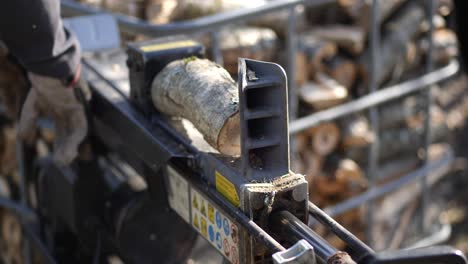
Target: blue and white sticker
{"points": [[226, 227]]}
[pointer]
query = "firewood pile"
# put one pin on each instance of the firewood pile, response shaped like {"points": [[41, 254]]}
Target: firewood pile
{"points": [[333, 67]]}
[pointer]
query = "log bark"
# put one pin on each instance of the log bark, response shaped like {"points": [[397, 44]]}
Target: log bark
{"points": [[340, 180], [191, 9], [356, 132], [445, 46], [159, 11], [246, 42], [13, 84], [324, 138], [360, 10], [398, 114], [396, 142], [324, 93], [205, 94], [316, 52], [393, 46], [344, 71], [348, 38]]}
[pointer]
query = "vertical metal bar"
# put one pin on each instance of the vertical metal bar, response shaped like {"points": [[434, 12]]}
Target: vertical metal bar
{"points": [[216, 49], [430, 9], [291, 46], [373, 113], [291, 49]]}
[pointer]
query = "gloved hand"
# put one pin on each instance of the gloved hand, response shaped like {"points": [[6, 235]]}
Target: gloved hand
{"points": [[50, 97]]}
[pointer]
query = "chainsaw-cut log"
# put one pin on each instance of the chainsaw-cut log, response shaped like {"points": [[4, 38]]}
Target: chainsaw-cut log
{"points": [[246, 42], [348, 38], [450, 92], [356, 132], [301, 75], [360, 10], [397, 114], [344, 71], [444, 7], [395, 142], [398, 33], [278, 21], [13, 84], [7, 149], [312, 165], [324, 93], [324, 138], [159, 11], [134, 8], [445, 46], [343, 178], [191, 9], [94, 3], [316, 52], [205, 94]]}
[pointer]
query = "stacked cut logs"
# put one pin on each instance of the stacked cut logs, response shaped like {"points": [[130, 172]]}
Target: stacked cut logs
{"points": [[333, 67]]}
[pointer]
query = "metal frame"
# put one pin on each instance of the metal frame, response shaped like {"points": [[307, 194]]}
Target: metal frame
{"points": [[211, 24]]}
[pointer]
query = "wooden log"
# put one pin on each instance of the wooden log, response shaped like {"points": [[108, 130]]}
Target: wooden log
{"points": [[445, 7], [399, 113], [301, 75], [356, 132], [134, 8], [246, 42], [399, 31], [445, 46], [316, 52], [159, 11], [449, 93], [312, 164], [344, 71], [191, 9], [348, 38], [399, 141], [324, 93], [205, 94], [7, 149], [324, 138], [13, 84], [360, 10], [342, 179]]}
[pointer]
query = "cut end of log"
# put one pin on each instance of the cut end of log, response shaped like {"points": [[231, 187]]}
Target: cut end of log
{"points": [[229, 137], [324, 94], [325, 138]]}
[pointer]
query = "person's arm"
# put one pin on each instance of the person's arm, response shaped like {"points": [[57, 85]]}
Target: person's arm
{"points": [[34, 34]]}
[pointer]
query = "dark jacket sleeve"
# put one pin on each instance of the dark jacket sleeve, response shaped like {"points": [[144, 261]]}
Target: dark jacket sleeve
{"points": [[34, 33]]}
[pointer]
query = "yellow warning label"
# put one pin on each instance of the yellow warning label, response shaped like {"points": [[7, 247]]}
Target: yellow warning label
{"points": [[169, 45], [195, 202], [227, 189], [195, 221], [203, 227], [203, 209], [211, 213]]}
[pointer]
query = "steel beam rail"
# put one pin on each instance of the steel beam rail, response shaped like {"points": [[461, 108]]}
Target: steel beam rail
{"points": [[360, 249], [137, 26], [384, 95], [293, 229]]}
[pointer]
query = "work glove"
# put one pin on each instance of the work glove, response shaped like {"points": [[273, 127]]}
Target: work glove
{"points": [[51, 97]]}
